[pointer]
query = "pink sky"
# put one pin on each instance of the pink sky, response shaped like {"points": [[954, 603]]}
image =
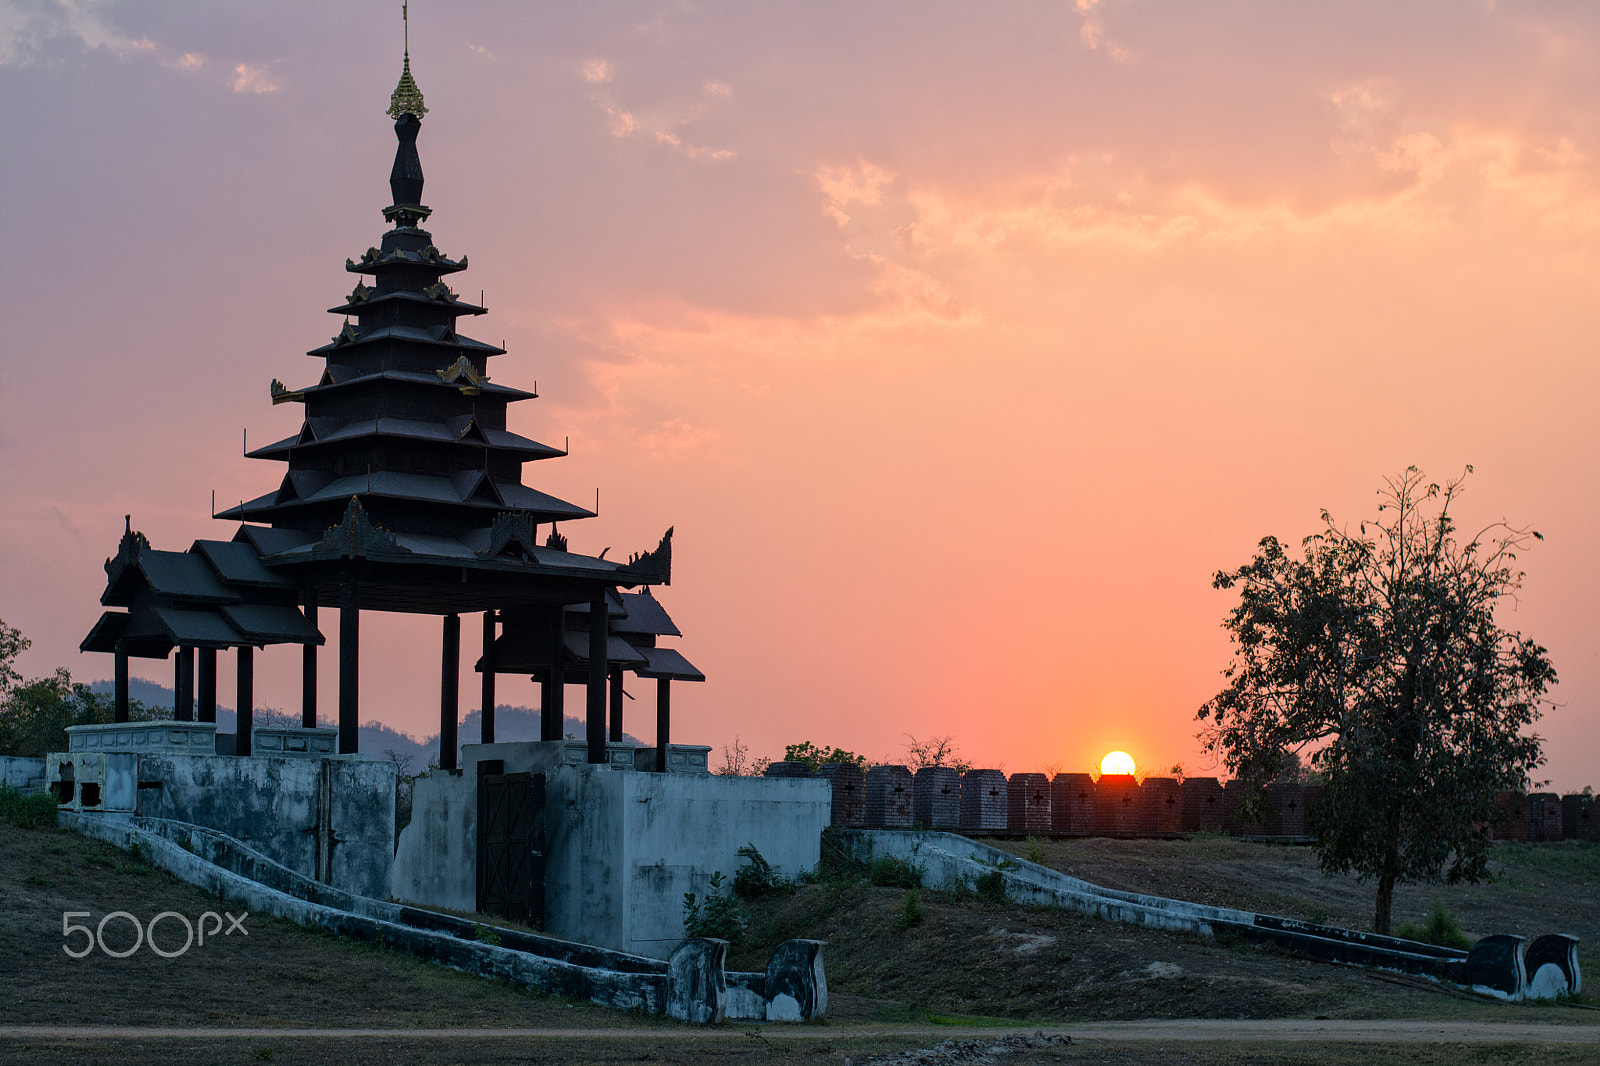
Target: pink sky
{"points": [[960, 343]]}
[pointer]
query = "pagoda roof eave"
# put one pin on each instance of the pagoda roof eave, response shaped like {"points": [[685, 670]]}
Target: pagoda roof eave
{"points": [[410, 335], [418, 488], [391, 259], [496, 440], [417, 377], [460, 307]]}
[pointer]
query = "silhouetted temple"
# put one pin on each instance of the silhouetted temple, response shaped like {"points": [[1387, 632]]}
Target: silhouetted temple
{"points": [[403, 492]]}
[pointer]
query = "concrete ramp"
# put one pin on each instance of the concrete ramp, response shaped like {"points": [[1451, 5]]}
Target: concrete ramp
{"points": [[1496, 966]]}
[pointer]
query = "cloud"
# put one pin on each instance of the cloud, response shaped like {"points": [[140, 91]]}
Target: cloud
{"points": [[26, 29], [862, 183], [660, 123], [482, 53], [1092, 32], [253, 78]]}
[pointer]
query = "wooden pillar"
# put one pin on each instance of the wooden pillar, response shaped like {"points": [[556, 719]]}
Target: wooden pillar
{"points": [[552, 705], [308, 665], [663, 721], [615, 732], [183, 685], [595, 712], [244, 707], [349, 665], [119, 686], [449, 692], [207, 690], [486, 721]]}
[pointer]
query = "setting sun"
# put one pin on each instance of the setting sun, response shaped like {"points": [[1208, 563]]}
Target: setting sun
{"points": [[1118, 762]]}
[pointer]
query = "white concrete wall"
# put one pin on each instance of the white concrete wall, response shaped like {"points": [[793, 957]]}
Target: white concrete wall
{"points": [[624, 847], [621, 847], [21, 773], [436, 863]]}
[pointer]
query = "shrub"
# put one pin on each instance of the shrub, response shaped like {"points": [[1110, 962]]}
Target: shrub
{"points": [[991, 887], [886, 871], [757, 877], [1442, 929], [1035, 853], [717, 915], [28, 810], [910, 910]]}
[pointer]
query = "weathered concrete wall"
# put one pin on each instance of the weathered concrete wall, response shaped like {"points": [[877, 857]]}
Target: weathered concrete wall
{"points": [[956, 862], [623, 847], [22, 773], [436, 861], [328, 818]]}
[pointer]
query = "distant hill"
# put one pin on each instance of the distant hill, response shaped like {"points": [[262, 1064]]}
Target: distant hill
{"points": [[411, 754]]}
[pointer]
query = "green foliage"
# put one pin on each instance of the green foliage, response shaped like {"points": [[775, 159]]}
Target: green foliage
{"points": [[1379, 652], [836, 862], [1035, 852], [1441, 928], [911, 913], [757, 876], [991, 887], [27, 810], [717, 915], [886, 871], [485, 934], [814, 756], [34, 716], [12, 644]]}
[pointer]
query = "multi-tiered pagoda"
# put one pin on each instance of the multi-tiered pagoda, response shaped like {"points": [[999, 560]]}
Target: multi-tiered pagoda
{"points": [[403, 492]]}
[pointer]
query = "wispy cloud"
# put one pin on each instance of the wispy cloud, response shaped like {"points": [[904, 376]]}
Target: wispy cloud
{"points": [[253, 78], [661, 123], [858, 183], [1091, 31]]}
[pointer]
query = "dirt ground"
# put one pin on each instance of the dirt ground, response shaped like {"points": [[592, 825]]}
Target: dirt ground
{"points": [[1536, 888], [895, 986]]}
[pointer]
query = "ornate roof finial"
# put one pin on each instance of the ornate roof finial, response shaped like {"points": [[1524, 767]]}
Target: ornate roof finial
{"points": [[406, 98]]}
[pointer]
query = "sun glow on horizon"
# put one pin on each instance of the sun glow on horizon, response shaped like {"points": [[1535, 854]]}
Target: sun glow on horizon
{"points": [[1117, 762]]}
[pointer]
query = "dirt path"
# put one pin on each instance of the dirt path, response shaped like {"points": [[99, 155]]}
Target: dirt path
{"points": [[1175, 1031]]}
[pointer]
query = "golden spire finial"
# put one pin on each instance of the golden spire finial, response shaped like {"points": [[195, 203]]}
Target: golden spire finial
{"points": [[406, 98]]}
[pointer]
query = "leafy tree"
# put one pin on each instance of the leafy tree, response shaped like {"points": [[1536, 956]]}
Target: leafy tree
{"points": [[34, 716], [1378, 651], [815, 756], [12, 644]]}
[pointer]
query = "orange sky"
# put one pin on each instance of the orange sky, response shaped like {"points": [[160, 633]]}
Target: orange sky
{"points": [[960, 343]]}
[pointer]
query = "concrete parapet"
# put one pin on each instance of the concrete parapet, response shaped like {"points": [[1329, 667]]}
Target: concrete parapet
{"points": [[1028, 803], [1202, 805], [888, 797], [849, 792], [1160, 806], [936, 798], [796, 987], [22, 773], [697, 981], [1072, 804], [1116, 801], [985, 802]]}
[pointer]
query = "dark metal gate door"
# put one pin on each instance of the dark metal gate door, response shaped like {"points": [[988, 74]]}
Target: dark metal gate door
{"points": [[511, 847]]}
